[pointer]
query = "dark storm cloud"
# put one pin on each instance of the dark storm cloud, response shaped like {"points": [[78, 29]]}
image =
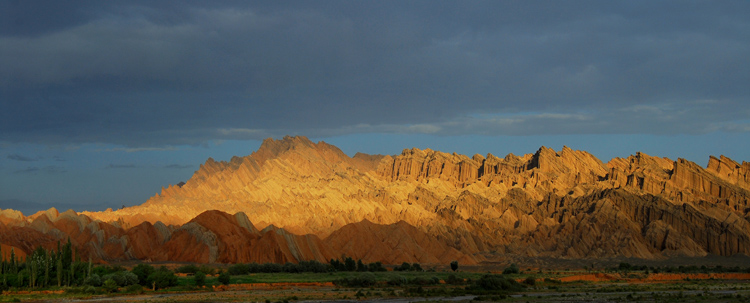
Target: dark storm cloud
{"points": [[117, 166], [17, 157], [153, 75], [51, 169]]}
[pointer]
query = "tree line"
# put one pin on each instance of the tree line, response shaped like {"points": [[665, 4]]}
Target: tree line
{"points": [[63, 267], [43, 268], [345, 264]]}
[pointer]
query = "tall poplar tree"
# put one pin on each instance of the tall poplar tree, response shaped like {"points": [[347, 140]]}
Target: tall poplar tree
{"points": [[59, 272]]}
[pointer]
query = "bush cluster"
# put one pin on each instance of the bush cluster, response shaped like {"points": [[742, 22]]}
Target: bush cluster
{"points": [[495, 284], [408, 267], [361, 280], [303, 266]]}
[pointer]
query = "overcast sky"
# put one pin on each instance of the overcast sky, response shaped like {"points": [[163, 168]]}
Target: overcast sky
{"points": [[102, 103]]}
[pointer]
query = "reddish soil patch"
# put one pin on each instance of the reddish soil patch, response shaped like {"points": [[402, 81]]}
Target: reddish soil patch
{"points": [[598, 277]]}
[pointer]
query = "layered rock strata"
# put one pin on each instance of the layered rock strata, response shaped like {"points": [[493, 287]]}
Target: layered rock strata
{"points": [[439, 206]]}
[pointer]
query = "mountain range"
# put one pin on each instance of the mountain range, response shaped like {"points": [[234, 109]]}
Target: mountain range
{"points": [[294, 200]]}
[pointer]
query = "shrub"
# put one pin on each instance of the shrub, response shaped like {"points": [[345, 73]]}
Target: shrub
{"points": [[396, 280], [626, 266], [142, 272], [416, 267], [135, 288], [497, 283], [187, 269], [419, 281], [376, 266], [239, 269], [207, 269], [270, 267], [404, 267], [434, 280], [109, 285], [529, 281], [122, 278], [93, 280], [367, 279], [452, 279], [130, 278], [363, 280], [224, 278], [454, 265], [200, 279], [313, 266], [162, 278], [512, 269], [118, 279]]}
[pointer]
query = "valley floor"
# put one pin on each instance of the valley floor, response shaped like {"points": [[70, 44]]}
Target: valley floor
{"points": [[549, 287]]}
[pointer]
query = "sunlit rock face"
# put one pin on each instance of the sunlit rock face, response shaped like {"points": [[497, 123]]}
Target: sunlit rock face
{"points": [[295, 200]]}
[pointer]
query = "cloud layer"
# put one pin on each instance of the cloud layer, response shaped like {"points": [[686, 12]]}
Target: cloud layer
{"points": [[146, 75]]}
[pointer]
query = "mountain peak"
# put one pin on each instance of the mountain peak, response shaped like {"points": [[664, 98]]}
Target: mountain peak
{"points": [[474, 204]]}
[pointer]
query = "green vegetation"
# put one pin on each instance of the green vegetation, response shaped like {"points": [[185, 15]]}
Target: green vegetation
{"points": [[512, 269], [454, 265], [200, 279], [692, 269], [143, 271], [63, 272], [224, 278], [44, 268], [162, 278]]}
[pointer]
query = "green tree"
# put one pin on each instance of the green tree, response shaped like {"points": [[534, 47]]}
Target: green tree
{"points": [[376, 266], [200, 279], [404, 267], [416, 267], [162, 278], [93, 280], [143, 271], [14, 266], [91, 267], [512, 269], [361, 266], [624, 266], [59, 272], [454, 265], [350, 264], [47, 264], [224, 278], [337, 265]]}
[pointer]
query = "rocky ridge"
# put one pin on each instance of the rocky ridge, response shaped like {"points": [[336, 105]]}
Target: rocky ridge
{"points": [[211, 237], [552, 204]]}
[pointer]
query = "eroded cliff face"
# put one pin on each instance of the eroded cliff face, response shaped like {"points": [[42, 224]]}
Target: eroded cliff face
{"points": [[439, 206], [570, 204]]}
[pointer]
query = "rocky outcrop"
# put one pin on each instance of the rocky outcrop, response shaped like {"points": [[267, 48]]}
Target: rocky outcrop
{"points": [[422, 206], [393, 244], [216, 236], [729, 170], [211, 237]]}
